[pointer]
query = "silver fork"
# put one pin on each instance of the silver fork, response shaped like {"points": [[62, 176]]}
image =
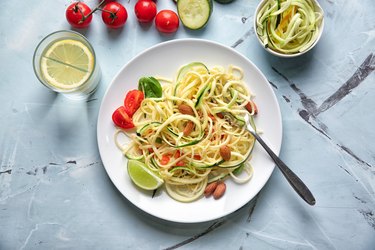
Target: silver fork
{"points": [[292, 178]]}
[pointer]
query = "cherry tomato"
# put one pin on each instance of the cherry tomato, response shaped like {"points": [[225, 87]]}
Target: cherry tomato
{"points": [[180, 163], [122, 119], [78, 15], [167, 21], [114, 15], [177, 154], [145, 10], [165, 159], [220, 115], [133, 101], [197, 157]]}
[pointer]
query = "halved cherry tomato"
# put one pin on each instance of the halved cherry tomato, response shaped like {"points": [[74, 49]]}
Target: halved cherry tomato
{"points": [[165, 159], [180, 163], [122, 119], [197, 157], [133, 101], [249, 107]]}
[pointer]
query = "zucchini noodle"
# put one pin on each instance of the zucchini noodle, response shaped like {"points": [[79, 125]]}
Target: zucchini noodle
{"points": [[188, 162], [289, 26]]}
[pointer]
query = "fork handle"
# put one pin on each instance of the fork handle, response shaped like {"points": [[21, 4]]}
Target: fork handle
{"points": [[297, 184]]}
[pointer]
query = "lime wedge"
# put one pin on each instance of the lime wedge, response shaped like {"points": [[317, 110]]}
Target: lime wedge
{"points": [[142, 176], [67, 64]]}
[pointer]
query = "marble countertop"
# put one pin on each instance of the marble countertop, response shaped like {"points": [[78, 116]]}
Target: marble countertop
{"points": [[54, 190]]}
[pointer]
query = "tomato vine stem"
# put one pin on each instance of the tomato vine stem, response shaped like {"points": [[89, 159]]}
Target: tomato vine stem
{"points": [[84, 17]]}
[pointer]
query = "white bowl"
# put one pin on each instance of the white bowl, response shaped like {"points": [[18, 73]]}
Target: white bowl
{"points": [[281, 54]]}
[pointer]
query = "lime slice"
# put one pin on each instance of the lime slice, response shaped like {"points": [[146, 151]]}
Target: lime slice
{"points": [[142, 176], [67, 64]]}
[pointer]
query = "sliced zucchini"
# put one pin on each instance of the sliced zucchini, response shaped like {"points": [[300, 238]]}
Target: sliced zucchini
{"points": [[200, 95], [278, 16], [234, 119], [187, 141], [133, 154], [201, 164], [189, 67], [194, 14], [143, 129]]}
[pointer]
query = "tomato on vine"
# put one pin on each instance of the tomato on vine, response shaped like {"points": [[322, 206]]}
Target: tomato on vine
{"points": [[114, 15], [79, 15]]}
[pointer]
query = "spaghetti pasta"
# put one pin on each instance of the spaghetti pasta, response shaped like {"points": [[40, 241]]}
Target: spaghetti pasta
{"points": [[188, 161]]}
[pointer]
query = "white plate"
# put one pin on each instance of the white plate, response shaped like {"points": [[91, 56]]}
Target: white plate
{"points": [[164, 59]]}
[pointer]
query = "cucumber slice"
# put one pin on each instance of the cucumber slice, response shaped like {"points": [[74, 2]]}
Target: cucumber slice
{"points": [[194, 14]]}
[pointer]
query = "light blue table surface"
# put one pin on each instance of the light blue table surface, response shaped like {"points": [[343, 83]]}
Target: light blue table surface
{"points": [[54, 190]]}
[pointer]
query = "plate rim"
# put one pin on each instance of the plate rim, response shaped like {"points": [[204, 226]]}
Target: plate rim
{"points": [[187, 40]]}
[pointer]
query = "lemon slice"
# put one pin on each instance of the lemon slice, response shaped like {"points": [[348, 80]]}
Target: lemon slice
{"points": [[67, 64], [142, 176]]}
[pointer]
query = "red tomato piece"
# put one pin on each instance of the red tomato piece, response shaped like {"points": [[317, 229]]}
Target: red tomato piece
{"points": [[180, 163], [177, 154], [122, 119], [165, 159], [220, 115], [197, 157], [114, 15], [167, 21], [133, 100], [78, 15], [145, 10]]}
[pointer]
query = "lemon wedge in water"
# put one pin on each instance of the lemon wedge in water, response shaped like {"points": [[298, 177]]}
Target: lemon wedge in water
{"points": [[67, 64], [142, 176]]}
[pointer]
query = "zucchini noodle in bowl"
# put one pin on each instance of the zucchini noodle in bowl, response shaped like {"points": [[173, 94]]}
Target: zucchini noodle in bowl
{"points": [[179, 134], [288, 27]]}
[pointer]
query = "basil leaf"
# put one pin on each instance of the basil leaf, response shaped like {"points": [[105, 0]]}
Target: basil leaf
{"points": [[150, 87]]}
